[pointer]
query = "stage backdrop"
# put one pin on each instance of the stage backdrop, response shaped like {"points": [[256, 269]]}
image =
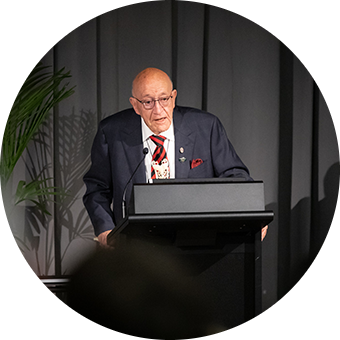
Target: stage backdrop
{"points": [[272, 110]]}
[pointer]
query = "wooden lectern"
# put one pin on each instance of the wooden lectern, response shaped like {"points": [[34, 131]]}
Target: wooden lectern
{"points": [[214, 227]]}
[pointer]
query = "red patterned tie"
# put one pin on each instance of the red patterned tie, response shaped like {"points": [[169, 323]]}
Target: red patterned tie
{"points": [[160, 163]]}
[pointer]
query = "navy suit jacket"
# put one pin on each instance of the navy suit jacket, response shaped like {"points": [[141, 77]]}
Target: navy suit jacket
{"points": [[118, 148]]}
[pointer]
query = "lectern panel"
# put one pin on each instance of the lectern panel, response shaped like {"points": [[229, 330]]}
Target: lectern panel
{"points": [[198, 197]]}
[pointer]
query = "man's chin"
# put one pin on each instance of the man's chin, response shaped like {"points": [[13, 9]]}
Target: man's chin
{"points": [[161, 126]]}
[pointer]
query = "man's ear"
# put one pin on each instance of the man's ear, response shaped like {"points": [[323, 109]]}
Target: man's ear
{"points": [[133, 102], [174, 95]]}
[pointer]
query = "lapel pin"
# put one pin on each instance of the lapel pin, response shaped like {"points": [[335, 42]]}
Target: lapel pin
{"points": [[182, 159], [181, 149]]}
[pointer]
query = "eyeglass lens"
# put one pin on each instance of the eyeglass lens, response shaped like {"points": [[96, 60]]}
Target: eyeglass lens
{"points": [[151, 103]]}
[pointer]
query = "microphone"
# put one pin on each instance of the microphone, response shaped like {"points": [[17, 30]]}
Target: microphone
{"points": [[145, 152]]}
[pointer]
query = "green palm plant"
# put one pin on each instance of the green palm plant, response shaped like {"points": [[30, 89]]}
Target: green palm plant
{"points": [[41, 91]]}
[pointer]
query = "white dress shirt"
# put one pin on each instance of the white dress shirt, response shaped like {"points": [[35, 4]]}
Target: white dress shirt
{"points": [[169, 145]]}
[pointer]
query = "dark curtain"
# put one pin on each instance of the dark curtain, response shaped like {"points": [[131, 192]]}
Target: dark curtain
{"points": [[272, 110]]}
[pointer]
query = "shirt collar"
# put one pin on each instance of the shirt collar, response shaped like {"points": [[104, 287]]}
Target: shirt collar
{"points": [[146, 132]]}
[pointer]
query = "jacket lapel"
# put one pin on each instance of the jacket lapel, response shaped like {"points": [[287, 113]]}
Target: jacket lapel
{"points": [[131, 137], [184, 145]]}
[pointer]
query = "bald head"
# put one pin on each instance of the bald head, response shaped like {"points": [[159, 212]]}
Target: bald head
{"points": [[148, 76], [153, 85]]}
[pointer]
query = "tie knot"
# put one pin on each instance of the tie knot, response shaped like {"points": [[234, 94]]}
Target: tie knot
{"points": [[158, 140]]}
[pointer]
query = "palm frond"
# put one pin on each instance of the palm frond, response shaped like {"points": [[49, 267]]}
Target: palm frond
{"points": [[41, 91]]}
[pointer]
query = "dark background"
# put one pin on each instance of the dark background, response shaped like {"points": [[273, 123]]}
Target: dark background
{"points": [[308, 30]]}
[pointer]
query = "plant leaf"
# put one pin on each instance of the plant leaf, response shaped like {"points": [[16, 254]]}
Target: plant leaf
{"points": [[41, 91]]}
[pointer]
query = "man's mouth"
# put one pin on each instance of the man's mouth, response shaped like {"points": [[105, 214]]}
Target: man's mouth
{"points": [[160, 119]]}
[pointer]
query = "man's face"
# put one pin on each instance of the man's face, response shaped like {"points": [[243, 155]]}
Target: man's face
{"points": [[150, 87]]}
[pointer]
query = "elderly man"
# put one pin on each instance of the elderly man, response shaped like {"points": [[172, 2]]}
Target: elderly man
{"points": [[182, 143]]}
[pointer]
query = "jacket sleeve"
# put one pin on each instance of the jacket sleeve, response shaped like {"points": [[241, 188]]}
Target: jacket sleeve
{"points": [[98, 181], [226, 162]]}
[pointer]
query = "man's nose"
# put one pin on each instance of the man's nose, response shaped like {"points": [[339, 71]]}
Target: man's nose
{"points": [[158, 108]]}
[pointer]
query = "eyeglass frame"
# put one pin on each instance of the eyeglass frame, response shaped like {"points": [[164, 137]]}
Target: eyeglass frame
{"points": [[154, 101]]}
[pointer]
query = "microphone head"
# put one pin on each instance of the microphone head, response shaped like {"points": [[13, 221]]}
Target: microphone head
{"points": [[145, 151]]}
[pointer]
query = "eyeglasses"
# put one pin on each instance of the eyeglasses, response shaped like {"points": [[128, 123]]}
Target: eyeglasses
{"points": [[149, 104]]}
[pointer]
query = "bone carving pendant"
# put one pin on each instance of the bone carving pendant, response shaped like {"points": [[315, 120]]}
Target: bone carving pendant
{"points": [[162, 170]]}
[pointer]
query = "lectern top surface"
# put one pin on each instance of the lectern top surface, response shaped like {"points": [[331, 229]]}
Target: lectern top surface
{"points": [[202, 180]]}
